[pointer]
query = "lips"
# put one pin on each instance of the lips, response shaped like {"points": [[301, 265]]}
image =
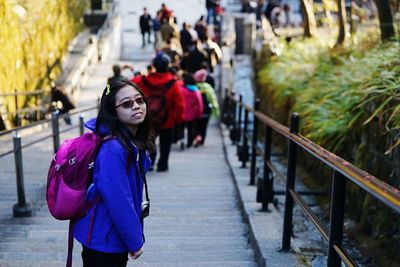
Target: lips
{"points": [[139, 114]]}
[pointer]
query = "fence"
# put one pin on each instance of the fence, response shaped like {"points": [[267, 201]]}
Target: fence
{"points": [[342, 172], [22, 208], [33, 113]]}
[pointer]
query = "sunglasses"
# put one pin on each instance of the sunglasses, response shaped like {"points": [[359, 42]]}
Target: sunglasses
{"points": [[130, 103]]}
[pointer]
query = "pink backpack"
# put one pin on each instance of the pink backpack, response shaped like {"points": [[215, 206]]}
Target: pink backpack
{"points": [[70, 174]]}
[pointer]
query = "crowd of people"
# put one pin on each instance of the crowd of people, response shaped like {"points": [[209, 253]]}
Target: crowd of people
{"points": [[178, 84], [173, 99]]}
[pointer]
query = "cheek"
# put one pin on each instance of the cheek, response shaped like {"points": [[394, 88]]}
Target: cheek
{"points": [[120, 114]]}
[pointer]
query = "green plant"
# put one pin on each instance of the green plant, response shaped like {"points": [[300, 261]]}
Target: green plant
{"points": [[349, 102]]}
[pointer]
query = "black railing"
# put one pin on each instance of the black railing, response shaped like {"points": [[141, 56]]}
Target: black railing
{"points": [[342, 171], [22, 208]]}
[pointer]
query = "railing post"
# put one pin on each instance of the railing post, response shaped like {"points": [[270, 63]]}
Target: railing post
{"points": [[56, 130], [81, 125], [254, 143], [225, 109], [232, 132], [291, 175], [239, 121], [244, 153], [37, 105], [17, 120], [21, 209], [267, 182], [338, 199]]}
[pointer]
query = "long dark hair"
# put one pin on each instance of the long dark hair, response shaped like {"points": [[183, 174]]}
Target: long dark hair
{"points": [[108, 118]]}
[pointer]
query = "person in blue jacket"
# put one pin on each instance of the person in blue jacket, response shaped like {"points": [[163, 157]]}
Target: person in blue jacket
{"points": [[116, 230]]}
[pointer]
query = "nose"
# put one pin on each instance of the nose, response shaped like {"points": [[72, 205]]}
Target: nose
{"points": [[135, 105]]}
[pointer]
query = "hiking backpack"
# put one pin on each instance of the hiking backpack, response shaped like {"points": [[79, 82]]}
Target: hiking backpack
{"points": [[69, 175], [157, 100]]}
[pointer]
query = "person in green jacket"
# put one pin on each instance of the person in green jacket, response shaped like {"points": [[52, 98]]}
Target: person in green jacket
{"points": [[210, 105]]}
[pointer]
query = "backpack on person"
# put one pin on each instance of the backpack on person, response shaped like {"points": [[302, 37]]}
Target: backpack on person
{"points": [[68, 179], [157, 100], [69, 176]]}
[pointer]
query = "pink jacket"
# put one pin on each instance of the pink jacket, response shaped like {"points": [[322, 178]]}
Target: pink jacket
{"points": [[193, 103]]}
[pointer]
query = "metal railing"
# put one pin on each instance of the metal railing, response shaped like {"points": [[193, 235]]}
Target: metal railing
{"points": [[22, 208], [36, 94], [342, 172]]}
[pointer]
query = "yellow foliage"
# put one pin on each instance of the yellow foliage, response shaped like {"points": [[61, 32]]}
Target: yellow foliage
{"points": [[34, 36]]}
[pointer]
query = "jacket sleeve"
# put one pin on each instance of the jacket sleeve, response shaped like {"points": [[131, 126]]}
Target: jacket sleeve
{"points": [[117, 193]]}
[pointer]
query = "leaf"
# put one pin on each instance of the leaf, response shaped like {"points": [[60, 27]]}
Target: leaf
{"points": [[378, 110], [387, 152]]}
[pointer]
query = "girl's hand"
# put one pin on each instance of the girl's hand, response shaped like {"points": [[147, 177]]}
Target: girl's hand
{"points": [[136, 254]]}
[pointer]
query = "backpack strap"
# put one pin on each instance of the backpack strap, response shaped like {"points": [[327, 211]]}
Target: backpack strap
{"points": [[70, 243], [167, 85]]}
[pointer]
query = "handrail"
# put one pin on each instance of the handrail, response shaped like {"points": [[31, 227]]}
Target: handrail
{"points": [[34, 92], [22, 208], [31, 125], [381, 190], [342, 171], [377, 188]]}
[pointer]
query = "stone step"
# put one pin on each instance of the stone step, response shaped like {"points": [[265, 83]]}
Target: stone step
{"points": [[162, 218], [194, 264], [61, 245], [198, 256], [161, 256], [150, 225], [176, 231], [77, 262]]}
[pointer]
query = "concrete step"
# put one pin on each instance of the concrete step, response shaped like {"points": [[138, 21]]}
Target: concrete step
{"points": [[180, 232], [163, 256], [77, 262], [60, 245]]}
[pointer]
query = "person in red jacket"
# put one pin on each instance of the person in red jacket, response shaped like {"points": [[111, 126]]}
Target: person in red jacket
{"points": [[166, 104]]}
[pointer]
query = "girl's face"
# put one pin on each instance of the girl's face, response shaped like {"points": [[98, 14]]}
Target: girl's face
{"points": [[130, 107]]}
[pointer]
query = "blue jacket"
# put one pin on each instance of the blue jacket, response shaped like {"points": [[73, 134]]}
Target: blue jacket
{"points": [[117, 225]]}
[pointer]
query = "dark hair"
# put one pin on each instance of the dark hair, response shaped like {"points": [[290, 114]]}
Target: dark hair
{"points": [[116, 69], [161, 62], [108, 118], [188, 79]]}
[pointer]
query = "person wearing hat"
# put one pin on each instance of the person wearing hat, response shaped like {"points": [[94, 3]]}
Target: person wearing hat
{"points": [[166, 104]]}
